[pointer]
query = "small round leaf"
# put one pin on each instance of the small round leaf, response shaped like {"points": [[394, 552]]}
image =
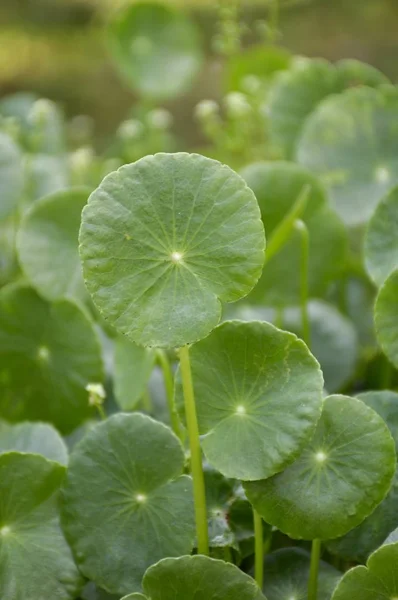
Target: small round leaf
{"points": [[147, 41], [163, 240], [126, 502], [350, 142], [337, 482], [381, 243], [286, 574], [386, 317], [48, 245], [198, 578], [11, 176], [36, 561], [46, 174], [49, 353], [133, 368], [377, 581], [258, 394], [33, 438]]}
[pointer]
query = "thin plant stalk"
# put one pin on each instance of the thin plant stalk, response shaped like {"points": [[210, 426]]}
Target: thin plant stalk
{"points": [[147, 401], [196, 453], [274, 20], [304, 260], [101, 411], [259, 549], [386, 375], [168, 379], [314, 569], [279, 315]]}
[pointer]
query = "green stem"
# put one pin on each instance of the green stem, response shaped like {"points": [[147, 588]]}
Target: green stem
{"points": [[259, 549], [304, 260], [169, 386], [386, 375], [101, 411], [147, 401], [314, 568], [279, 314], [196, 453], [274, 20]]}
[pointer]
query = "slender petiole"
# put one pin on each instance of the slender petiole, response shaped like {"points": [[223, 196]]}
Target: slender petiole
{"points": [[196, 453], [168, 378], [259, 549], [314, 569], [301, 227]]}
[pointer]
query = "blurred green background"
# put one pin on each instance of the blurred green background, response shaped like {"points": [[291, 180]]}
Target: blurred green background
{"points": [[57, 48]]}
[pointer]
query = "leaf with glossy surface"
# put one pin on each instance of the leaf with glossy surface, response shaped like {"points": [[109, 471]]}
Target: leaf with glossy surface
{"points": [[126, 502], [148, 40], [133, 368], [298, 91], [198, 578], [358, 543], [163, 240], [48, 245], [49, 353], [286, 574], [278, 186], [258, 394], [377, 581], [350, 143], [11, 175], [36, 561], [337, 482], [386, 317], [33, 438], [381, 242]]}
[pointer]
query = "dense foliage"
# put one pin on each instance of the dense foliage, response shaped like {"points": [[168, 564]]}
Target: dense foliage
{"points": [[198, 348]]}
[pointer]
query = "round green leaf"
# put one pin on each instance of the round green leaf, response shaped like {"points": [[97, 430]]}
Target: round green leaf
{"points": [[92, 592], [381, 243], [198, 578], [298, 91], [34, 438], [358, 543], [262, 62], [258, 393], [278, 186], [150, 40], [46, 174], [392, 538], [350, 142], [36, 561], [334, 341], [337, 481], [133, 368], [49, 353], [48, 245], [386, 317], [163, 240], [126, 504], [11, 175], [134, 597], [286, 574], [377, 581]]}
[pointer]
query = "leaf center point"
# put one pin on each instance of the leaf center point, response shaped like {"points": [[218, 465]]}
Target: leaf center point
{"points": [[320, 457], [141, 498], [4, 531], [240, 410], [176, 257]]}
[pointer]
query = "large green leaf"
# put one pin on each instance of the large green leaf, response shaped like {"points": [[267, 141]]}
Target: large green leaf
{"points": [[386, 317], [126, 504], [350, 142], [49, 353], [11, 175], [258, 393], [48, 245], [286, 574], [377, 581], [156, 48], [333, 341], [198, 578], [34, 438], [381, 243], [35, 560], [343, 474], [298, 91], [133, 368], [278, 186], [358, 543], [163, 240]]}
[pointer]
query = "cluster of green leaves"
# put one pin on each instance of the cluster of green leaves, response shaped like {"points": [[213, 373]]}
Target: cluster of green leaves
{"points": [[186, 409]]}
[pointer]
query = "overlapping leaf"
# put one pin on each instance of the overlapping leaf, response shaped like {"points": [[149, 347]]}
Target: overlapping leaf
{"points": [[34, 438]]}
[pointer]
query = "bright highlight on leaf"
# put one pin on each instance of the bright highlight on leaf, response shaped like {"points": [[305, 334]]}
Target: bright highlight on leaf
{"points": [[153, 293], [258, 393], [126, 502], [311, 499]]}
